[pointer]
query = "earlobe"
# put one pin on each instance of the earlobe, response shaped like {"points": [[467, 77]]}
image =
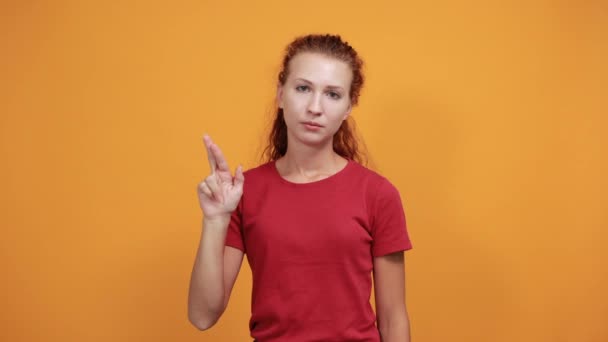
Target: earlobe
{"points": [[280, 96], [350, 108]]}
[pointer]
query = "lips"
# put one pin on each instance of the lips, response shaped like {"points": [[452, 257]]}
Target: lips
{"points": [[312, 123]]}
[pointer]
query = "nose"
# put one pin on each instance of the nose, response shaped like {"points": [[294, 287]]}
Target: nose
{"points": [[314, 105]]}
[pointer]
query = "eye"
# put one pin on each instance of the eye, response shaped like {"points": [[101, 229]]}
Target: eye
{"points": [[302, 88], [334, 95]]}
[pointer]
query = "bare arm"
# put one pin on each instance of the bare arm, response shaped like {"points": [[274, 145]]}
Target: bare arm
{"points": [[215, 270], [389, 285], [216, 266]]}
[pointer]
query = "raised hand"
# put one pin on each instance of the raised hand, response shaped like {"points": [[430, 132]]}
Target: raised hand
{"points": [[219, 193]]}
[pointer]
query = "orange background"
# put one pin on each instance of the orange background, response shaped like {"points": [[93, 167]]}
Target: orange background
{"points": [[490, 118]]}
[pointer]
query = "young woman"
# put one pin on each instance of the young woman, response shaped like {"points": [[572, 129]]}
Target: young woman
{"points": [[314, 222]]}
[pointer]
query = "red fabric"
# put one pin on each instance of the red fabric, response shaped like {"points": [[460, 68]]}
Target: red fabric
{"points": [[311, 247]]}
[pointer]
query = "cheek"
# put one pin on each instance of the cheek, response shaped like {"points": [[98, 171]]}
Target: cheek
{"points": [[295, 102], [291, 103], [337, 110], [291, 112], [288, 108]]}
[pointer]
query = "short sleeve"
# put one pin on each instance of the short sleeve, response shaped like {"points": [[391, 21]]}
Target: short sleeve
{"points": [[388, 226], [234, 236]]}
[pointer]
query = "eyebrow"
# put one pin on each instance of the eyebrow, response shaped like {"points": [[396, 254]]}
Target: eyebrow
{"points": [[330, 86]]}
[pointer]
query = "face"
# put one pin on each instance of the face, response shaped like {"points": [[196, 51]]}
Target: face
{"points": [[316, 91]]}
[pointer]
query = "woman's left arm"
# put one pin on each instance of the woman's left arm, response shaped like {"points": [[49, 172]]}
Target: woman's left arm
{"points": [[389, 291]]}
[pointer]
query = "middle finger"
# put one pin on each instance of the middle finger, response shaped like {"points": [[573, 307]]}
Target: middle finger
{"points": [[221, 163]]}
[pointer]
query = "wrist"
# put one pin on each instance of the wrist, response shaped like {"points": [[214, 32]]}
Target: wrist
{"points": [[221, 218]]}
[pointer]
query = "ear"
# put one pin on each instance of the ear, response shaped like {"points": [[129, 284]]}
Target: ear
{"points": [[280, 96], [348, 110]]}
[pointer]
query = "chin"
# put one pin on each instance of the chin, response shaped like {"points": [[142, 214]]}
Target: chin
{"points": [[314, 141]]}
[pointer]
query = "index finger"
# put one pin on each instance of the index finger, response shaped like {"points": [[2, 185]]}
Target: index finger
{"points": [[210, 155]]}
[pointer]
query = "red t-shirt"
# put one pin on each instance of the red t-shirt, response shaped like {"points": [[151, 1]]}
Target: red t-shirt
{"points": [[310, 247]]}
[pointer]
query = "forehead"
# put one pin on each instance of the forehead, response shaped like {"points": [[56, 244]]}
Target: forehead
{"points": [[320, 69]]}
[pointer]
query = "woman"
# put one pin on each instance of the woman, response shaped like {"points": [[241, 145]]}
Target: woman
{"points": [[314, 223]]}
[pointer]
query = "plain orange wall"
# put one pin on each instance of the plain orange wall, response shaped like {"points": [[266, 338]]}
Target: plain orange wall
{"points": [[490, 118]]}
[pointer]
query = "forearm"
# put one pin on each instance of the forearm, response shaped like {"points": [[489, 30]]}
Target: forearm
{"points": [[395, 329], [206, 293]]}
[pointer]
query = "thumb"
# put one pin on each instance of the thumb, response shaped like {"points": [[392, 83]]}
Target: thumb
{"points": [[239, 178]]}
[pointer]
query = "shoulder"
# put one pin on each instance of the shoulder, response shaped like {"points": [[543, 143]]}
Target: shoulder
{"points": [[381, 195], [259, 171], [374, 181], [258, 177]]}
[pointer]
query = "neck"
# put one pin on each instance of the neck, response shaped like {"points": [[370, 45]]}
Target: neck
{"points": [[307, 160]]}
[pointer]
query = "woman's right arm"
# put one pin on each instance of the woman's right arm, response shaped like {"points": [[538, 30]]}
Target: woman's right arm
{"points": [[216, 266], [215, 271]]}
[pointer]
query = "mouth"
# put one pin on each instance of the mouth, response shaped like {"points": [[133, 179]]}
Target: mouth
{"points": [[310, 123]]}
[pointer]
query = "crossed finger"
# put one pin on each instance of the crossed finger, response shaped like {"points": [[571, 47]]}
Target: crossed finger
{"points": [[210, 155]]}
